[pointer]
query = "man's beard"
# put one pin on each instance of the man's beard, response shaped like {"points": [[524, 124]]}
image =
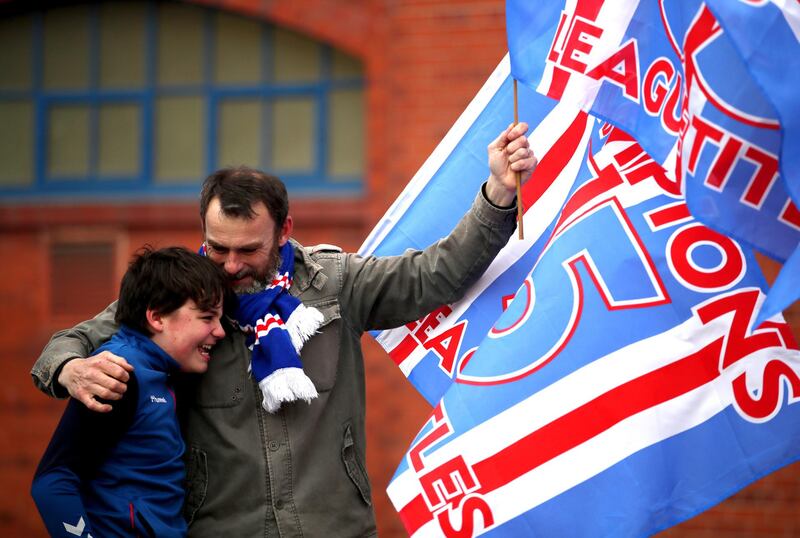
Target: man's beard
{"points": [[264, 280]]}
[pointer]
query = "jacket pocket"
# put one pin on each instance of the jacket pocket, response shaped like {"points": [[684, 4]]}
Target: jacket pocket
{"points": [[196, 483], [320, 354], [354, 465]]}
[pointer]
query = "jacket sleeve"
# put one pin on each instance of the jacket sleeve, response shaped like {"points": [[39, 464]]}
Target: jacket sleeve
{"points": [[79, 341], [386, 292], [81, 442]]}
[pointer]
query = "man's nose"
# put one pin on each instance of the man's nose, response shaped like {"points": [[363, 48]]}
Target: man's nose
{"points": [[232, 264]]}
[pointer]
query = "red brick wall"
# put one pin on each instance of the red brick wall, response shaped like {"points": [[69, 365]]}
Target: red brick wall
{"points": [[425, 60]]}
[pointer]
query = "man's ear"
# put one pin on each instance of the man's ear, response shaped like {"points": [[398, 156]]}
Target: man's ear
{"points": [[286, 231], [154, 320]]}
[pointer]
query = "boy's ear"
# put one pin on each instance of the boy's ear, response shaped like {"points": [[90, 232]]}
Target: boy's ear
{"points": [[154, 320]]}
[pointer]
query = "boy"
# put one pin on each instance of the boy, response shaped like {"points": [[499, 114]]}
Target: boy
{"points": [[121, 473]]}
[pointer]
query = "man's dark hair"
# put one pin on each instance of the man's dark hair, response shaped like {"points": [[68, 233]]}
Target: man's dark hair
{"points": [[163, 280], [239, 188]]}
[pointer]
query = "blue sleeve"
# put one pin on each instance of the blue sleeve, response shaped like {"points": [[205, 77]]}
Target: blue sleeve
{"points": [[81, 442]]}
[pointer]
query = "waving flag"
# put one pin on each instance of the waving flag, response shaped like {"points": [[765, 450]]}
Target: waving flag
{"points": [[443, 190], [767, 37], [606, 376], [713, 85]]}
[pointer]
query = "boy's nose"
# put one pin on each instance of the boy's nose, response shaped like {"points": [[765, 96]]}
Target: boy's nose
{"points": [[218, 331]]}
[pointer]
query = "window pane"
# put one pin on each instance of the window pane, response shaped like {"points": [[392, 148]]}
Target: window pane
{"points": [[238, 50], [16, 143], [180, 44], [293, 131], [346, 133], [180, 134], [119, 133], [297, 58], [240, 133], [346, 66], [15, 53], [122, 45], [66, 48], [100, 92], [68, 142]]}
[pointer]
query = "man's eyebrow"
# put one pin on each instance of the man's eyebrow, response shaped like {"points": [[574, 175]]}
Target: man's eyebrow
{"points": [[247, 246]]}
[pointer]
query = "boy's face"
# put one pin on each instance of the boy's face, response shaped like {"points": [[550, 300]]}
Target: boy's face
{"points": [[188, 333]]}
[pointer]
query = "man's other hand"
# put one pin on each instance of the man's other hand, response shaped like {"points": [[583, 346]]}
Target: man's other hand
{"points": [[101, 376]]}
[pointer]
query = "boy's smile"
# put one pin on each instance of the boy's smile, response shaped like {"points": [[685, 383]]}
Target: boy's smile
{"points": [[189, 333]]}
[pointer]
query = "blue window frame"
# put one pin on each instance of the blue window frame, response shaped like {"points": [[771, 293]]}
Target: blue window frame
{"points": [[81, 112]]}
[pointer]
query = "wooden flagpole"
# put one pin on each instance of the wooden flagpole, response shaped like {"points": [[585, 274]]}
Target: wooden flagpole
{"points": [[518, 174]]}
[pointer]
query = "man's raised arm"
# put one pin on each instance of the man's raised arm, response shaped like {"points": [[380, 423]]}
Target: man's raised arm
{"points": [[64, 369]]}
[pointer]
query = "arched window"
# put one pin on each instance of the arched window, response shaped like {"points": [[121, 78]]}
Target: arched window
{"points": [[144, 99]]}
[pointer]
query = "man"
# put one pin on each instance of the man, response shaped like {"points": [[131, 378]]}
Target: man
{"points": [[299, 471]]}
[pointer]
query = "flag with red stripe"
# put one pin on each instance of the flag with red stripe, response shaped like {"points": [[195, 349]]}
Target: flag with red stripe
{"points": [[429, 350], [606, 376], [701, 82]]}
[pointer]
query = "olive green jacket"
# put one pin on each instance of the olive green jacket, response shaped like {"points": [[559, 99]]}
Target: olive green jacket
{"points": [[301, 471]]}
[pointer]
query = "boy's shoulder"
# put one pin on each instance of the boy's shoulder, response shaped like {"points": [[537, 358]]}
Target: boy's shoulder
{"points": [[128, 343], [120, 344]]}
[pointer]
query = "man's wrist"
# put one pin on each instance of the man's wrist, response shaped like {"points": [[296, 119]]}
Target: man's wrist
{"points": [[498, 196], [59, 390]]}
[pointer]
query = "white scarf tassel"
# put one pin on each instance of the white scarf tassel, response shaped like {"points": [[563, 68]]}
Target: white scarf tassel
{"points": [[286, 385], [303, 324]]}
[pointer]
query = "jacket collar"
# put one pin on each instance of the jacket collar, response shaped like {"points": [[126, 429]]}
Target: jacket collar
{"points": [[153, 357], [307, 272]]}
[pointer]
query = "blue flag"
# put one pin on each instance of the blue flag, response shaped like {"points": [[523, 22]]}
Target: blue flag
{"points": [[709, 90], [767, 38], [439, 195], [606, 376]]}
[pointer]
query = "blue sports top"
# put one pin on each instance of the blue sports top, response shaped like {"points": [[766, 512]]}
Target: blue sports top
{"points": [[119, 473]]}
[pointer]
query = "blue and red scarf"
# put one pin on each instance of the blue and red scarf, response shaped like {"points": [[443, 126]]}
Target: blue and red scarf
{"points": [[277, 325]]}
